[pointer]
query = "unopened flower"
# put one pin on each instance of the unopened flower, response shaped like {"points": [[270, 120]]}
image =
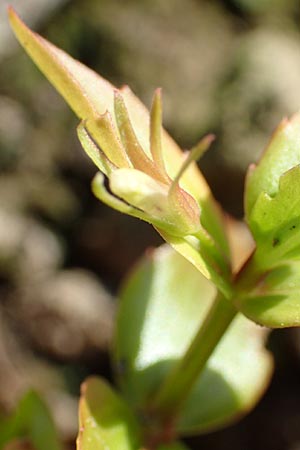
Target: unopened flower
{"points": [[138, 184], [142, 170]]}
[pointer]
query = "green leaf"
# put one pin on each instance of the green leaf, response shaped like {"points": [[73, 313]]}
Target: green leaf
{"points": [[163, 304], [282, 154], [275, 222], [32, 420], [275, 301], [273, 214], [105, 421], [203, 255], [156, 303]]}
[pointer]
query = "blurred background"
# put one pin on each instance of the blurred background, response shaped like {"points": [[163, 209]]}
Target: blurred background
{"points": [[229, 67]]}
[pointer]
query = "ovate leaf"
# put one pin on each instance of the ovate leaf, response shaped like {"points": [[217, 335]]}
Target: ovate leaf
{"points": [[105, 421], [163, 303]]}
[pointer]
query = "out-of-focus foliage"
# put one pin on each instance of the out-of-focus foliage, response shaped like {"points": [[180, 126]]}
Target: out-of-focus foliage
{"points": [[32, 422]]}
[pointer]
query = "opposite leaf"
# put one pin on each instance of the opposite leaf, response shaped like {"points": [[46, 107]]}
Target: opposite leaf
{"points": [[163, 304], [105, 421]]}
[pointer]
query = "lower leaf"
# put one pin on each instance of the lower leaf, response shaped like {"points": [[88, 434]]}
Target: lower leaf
{"points": [[105, 421], [163, 303]]}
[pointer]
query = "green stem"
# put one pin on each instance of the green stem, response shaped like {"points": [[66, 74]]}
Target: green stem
{"points": [[179, 382]]}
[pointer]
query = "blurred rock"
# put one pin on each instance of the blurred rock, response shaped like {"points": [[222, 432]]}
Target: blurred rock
{"points": [[111, 243], [65, 412], [13, 126], [21, 370], [295, 446], [68, 316], [28, 251], [263, 88], [33, 11], [180, 45]]}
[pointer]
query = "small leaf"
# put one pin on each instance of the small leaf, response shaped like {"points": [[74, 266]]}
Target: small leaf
{"points": [[275, 301], [282, 154], [32, 420], [105, 421], [275, 222], [163, 304]]}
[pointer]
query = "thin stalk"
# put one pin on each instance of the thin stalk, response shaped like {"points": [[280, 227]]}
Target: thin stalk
{"points": [[178, 384]]}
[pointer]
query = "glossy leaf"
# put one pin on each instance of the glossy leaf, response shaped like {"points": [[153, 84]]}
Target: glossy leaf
{"points": [[33, 421], [163, 303], [275, 300], [105, 421]]}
